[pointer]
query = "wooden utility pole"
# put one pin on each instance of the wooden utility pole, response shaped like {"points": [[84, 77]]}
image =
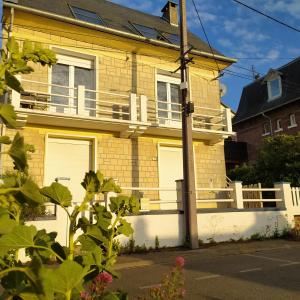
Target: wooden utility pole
{"points": [[190, 209]]}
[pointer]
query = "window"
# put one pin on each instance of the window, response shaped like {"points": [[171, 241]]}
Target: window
{"points": [[86, 16], [278, 125], [148, 32], [172, 38], [274, 88], [66, 76], [292, 121], [168, 100], [266, 129]]}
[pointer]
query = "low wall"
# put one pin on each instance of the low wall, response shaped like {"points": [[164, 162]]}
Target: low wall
{"points": [[168, 226]]}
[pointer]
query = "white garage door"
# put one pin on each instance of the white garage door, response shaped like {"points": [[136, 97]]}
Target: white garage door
{"points": [[67, 161], [170, 170]]}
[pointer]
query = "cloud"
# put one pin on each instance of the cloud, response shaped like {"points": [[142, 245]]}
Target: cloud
{"points": [[225, 43], [273, 54]]}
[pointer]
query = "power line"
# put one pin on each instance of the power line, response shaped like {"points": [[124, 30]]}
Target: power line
{"points": [[267, 16], [206, 37]]}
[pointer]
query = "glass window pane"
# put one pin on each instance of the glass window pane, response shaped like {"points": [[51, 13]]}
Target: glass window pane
{"points": [[86, 77], [275, 88], [175, 101], [87, 16], [148, 32], [60, 76], [162, 97]]}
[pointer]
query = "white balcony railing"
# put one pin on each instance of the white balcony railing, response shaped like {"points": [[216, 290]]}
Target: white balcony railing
{"points": [[121, 107]]}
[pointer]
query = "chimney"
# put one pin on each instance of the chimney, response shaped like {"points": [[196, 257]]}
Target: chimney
{"points": [[170, 13]]}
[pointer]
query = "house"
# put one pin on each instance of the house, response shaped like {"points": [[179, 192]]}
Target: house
{"points": [[269, 106], [112, 100]]}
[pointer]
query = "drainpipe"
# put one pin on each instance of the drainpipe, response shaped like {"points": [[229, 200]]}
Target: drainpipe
{"points": [[270, 121], [5, 100]]}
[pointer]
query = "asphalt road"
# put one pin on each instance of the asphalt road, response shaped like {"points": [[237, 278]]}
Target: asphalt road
{"points": [[261, 270]]}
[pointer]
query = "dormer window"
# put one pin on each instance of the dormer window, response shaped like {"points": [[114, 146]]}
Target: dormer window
{"points": [[274, 88]]}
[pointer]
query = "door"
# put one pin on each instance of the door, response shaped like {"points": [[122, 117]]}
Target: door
{"points": [[67, 74], [67, 161], [170, 170]]}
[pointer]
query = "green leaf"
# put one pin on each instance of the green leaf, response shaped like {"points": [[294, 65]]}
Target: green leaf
{"points": [[6, 224], [32, 193], [13, 82], [102, 216], [95, 232], [8, 115], [109, 185], [90, 182], [17, 152], [124, 228], [5, 140], [63, 279], [21, 236], [58, 194]]}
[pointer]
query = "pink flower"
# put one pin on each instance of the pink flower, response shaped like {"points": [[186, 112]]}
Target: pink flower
{"points": [[179, 261], [85, 296], [104, 277]]}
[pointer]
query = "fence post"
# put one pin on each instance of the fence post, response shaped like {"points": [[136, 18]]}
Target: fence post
{"points": [[133, 108], [180, 191], [285, 194], [81, 100], [143, 109], [237, 194]]}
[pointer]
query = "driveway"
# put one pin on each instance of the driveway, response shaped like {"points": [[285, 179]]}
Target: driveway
{"points": [[253, 270]]}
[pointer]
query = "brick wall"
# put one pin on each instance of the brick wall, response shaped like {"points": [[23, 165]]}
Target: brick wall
{"points": [[251, 131]]}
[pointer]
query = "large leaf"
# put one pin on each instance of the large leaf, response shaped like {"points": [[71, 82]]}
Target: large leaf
{"points": [[8, 115], [109, 185], [63, 279], [13, 82], [124, 228], [58, 194], [91, 182], [20, 237], [5, 140], [95, 232], [6, 224], [17, 152], [32, 193], [103, 217]]}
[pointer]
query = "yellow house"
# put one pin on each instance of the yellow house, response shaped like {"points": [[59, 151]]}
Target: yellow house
{"points": [[112, 100]]}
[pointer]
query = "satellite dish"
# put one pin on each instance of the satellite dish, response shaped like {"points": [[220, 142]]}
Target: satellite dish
{"points": [[223, 89]]}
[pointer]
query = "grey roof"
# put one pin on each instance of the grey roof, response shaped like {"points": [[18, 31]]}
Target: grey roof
{"points": [[114, 15], [254, 98]]}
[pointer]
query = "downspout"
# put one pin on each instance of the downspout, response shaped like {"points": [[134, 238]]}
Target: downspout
{"points": [[3, 127], [270, 121]]}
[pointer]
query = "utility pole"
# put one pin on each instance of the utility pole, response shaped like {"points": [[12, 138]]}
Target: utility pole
{"points": [[190, 209]]}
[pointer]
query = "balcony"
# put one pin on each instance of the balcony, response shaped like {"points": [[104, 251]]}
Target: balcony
{"points": [[127, 113]]}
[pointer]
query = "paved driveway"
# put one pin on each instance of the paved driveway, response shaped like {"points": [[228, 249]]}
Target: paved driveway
{"points": [[256, 270]]}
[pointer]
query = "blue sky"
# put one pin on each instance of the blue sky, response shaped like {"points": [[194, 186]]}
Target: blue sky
{"points": [[240, 33]]}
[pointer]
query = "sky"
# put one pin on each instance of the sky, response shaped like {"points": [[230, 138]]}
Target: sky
{"points": [[240, 33]]}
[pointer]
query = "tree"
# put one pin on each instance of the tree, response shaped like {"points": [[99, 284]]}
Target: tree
{"points": [[278, 160]]}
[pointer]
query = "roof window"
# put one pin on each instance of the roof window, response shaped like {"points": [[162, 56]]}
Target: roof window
{"points": [[172, 38], [148, 32], [86, 16]]}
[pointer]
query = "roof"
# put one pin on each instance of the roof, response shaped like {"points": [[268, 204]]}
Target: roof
{"points": [[115, 16], [254, 98]]}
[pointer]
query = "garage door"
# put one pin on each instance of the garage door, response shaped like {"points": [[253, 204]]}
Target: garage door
{"points": [[170, 170]]}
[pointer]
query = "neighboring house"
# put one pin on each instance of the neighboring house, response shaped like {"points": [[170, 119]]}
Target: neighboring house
{"points": [[112, 101], [269, 106]]}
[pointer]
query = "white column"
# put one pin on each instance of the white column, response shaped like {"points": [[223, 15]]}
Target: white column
{"points": [[228, 120], [237, 194], [143, 108], [133, 108], [81, 100], [285, 194]]}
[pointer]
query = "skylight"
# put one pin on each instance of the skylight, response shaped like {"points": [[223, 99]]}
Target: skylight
{"points": [[148, 32], [172, 38], [86, 16]]}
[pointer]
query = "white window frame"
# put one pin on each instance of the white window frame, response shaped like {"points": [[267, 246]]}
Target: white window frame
{"points": [[270, 96], [278, 125], [169, 80], [72, 59], [266, 132], [292, 121]]}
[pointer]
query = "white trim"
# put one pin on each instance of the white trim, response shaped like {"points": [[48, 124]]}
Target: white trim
{"points": [[270, 96], [292, 124]]}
